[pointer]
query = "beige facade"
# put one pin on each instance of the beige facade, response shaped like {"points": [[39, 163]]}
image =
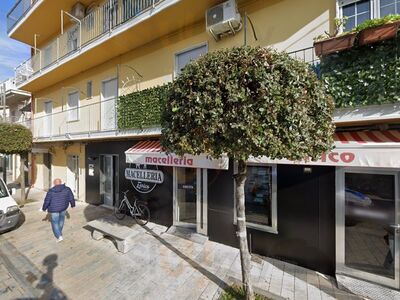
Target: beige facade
{"points": [[287, 25]]}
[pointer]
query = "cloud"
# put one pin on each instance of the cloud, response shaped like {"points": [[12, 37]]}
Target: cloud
{"points": [[12, 52]]}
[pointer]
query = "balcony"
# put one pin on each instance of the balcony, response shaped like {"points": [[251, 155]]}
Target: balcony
{"points": [[18, 11], [111, 29], [87, 122], [363, 81]]}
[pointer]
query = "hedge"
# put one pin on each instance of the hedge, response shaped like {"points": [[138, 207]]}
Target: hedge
{"points": [[142, 109], [363, 75], [15, 139]]}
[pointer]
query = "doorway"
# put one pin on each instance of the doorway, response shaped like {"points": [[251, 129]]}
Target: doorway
{"points": [[73, 174], [109, 179], [109, 96], [47, 174], [367, 230], [190, 199]]}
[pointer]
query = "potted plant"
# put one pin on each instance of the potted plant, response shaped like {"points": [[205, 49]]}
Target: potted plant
{"points": [[331, 43], [376, 30]]}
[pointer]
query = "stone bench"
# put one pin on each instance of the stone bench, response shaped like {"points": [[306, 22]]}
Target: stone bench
{"points": [[123, 235]]}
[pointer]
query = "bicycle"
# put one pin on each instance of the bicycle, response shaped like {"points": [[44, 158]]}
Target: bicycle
{"points": [[139, 211]]}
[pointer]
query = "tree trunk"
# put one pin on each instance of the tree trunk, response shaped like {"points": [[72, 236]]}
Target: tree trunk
{"points": [[245, 259], [22, 176]]}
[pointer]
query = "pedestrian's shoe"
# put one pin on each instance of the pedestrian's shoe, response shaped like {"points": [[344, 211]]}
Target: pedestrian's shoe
{"points": [[60, 239]]}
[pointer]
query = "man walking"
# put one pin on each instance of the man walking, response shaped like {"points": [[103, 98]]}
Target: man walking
{"points": [[57, 200]]}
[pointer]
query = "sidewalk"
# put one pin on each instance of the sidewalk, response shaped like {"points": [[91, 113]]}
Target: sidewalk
{"points": [[161, 266]]}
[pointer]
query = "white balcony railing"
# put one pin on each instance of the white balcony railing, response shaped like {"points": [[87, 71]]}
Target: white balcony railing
{"points": [[94, 120], [100, 21], [25, 121]]}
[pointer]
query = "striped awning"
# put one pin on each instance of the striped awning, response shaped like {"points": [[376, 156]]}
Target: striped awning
{"points": [[365, 137], [373, 149], [151, 153]]}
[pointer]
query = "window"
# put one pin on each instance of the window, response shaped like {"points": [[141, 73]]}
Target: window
{"points": [[73, 103], [356, 12], [185, 57], [89, 91], [260, 198], [389, 7]]}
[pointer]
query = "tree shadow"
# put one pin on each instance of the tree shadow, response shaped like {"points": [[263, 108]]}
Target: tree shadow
{"points": [[50, 291], [212, 277]]}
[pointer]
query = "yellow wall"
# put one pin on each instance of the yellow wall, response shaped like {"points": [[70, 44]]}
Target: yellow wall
{"points": [[284, 24], [60, 152]]}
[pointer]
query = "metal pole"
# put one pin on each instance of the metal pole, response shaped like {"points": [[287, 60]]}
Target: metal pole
{"points": [[245, 28], [4, 169]]}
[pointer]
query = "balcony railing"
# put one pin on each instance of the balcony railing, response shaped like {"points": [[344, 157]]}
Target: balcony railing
{"points": [[25, 121], [99, 119], [101, 21], [308, 55], [18, 11]]}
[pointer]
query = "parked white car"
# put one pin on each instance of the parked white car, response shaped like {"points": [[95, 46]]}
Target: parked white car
{"points": [[9, 210]]}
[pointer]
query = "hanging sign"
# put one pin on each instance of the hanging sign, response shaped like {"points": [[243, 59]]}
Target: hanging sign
{"points": [[144, 178]]}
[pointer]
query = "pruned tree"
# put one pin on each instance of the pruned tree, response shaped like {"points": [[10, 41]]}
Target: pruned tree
{"points": [[16, 139], [244, 102]]}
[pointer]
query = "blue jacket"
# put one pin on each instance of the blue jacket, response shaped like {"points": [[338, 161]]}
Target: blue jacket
{"points": [[58, 199]]}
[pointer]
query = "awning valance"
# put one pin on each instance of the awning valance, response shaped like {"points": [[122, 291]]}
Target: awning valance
{"points": [[150, 153], [377, 149]]}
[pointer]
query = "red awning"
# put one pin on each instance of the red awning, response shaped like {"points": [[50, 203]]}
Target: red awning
{"points": [[365, 137], [374, 149], [146, 147]]}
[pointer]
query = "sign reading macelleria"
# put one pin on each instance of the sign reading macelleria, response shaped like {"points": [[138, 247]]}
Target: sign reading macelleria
{"points": [[144, 178]]}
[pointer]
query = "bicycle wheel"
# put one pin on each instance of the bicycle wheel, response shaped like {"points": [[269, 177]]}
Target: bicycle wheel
{"points": [[120, 211], [142, 214]]}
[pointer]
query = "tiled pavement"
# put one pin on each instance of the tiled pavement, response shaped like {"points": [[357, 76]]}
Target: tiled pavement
{"points": [[161, 266]]}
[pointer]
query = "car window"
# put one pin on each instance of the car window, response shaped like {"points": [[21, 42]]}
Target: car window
{"points": [[3, 190]]}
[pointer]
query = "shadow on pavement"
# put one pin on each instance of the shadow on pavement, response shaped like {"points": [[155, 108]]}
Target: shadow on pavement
{"points": [[46, 281]]}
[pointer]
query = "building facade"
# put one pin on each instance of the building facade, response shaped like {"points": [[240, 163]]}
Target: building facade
{"points": [[87, 54]]}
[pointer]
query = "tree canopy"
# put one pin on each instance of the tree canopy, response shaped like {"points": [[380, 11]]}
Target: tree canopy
{"points": [[15, 139], [247, 101]]}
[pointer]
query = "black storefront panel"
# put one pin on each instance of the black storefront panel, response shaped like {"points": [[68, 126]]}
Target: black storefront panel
{"points": [[159, 199], [306, 216]]}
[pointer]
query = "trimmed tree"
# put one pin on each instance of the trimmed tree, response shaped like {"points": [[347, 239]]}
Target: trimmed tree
{"points": [[16, 139], [244, 102]]}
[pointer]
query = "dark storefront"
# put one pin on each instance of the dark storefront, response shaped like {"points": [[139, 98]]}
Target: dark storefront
{"points": [[291, 209]]}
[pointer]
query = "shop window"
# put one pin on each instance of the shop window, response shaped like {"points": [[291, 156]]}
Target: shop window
{"points": [[184, 57], [260, 198], [355, 12]]}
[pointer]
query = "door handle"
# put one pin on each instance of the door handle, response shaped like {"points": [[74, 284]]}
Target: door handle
{"points": [[395, 226]]}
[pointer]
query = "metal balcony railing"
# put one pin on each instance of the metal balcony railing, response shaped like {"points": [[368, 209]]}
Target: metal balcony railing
{"points": [[18, 11], [25, 121], [95, 119], [308, 55], [102, 20]]}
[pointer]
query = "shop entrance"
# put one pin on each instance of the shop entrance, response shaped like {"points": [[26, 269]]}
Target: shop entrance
{"points": [[109, 179], [368, 225], [190, 198]]}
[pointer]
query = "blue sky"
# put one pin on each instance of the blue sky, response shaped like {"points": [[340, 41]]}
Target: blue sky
{"points": [[12, 53]]}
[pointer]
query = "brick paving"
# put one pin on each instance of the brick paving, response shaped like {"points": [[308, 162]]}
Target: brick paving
{"points": [[161, 266]]}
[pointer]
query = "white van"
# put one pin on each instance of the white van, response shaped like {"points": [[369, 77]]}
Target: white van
{"points": [[9, 210]]}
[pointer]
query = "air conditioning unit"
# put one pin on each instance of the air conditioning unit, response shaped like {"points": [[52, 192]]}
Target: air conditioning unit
{"points": [[223, 19], [78, 10]]}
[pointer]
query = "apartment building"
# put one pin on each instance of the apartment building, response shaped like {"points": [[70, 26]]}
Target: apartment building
{"points": [[15, 107], [86, 54]]}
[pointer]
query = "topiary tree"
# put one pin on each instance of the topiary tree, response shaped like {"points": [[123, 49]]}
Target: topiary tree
{"points": [[16, 139], [246, 102]]}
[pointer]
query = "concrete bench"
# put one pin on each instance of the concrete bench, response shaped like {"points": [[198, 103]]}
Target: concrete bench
{"points": [[123, 235]]}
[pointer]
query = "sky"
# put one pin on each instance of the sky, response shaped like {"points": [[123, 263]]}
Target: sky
{"points": [[12, 52]]}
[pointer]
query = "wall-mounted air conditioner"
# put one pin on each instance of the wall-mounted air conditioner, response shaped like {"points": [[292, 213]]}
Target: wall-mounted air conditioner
{"points": [[223, 19], [78, 10]]}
